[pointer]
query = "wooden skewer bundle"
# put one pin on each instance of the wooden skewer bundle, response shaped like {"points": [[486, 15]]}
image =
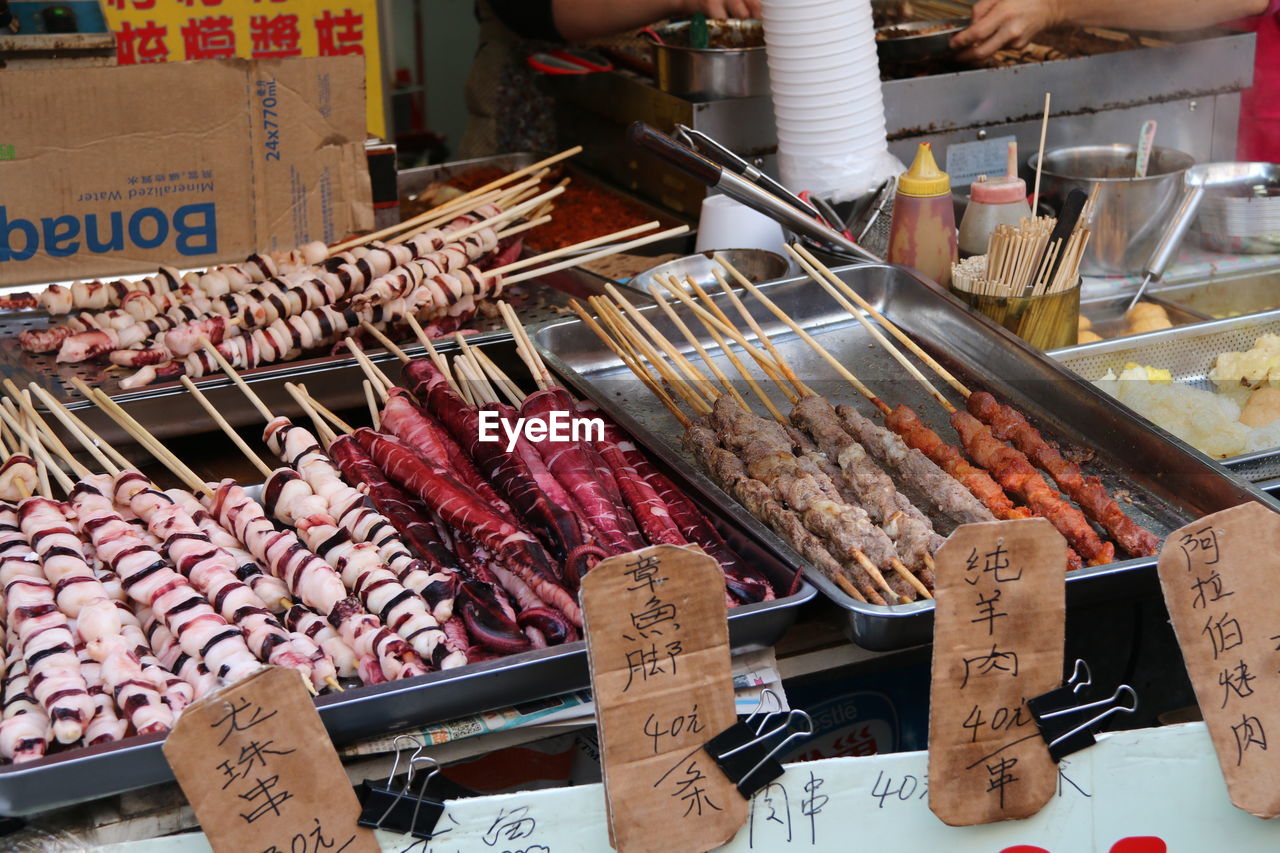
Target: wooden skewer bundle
{"points": [[1020, 267]]}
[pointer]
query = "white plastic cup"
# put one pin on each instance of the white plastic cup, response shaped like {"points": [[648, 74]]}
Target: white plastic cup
{"points": [[728, 224]]}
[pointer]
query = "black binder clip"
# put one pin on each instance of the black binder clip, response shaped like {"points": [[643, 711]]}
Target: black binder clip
{"points": [[744, 753], [391, 806], [1067, 727]]}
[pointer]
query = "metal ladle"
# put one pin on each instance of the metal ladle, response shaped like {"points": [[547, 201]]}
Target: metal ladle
{"points": [[1198, 180]]}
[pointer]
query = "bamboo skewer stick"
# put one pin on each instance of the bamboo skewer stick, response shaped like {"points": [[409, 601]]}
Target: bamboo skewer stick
{"points": [[522, 227], [642, 324], [435, 356], [227, 428], [491, 370], [323, 431], [43, 436], [372, 402], [481, 391], [1044, 127], [515, 266], [728, 352], [763, 360], [617, 321], [235, 376], [386, 342], [880, 339], [38, 452], [315, 405], [591, 256], [537, 367], [641, 373], [689, 336], [93, 445], [379, 379], [884, 321], [38, 426], [712, 322], [80, 429], [494, 221], [750, 320], [148, 441], [460, 200]]}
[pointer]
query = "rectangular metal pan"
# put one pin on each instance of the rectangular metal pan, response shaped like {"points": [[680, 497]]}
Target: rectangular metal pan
{"points": [[1170, 483], [1188, 353], [1228, 296], [1107, 315], [83, 774]]}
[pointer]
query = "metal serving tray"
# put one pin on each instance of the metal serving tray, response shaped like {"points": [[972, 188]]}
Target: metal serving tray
{"points": [[166, 408], [1188, 353], [1169, 482], [83, 774], [1223, 297]]}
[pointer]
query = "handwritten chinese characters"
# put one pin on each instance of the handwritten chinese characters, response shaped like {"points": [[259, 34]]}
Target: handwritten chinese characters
{"points": [[998, 641], [1218, 576], [658, 641], [260, 772]]}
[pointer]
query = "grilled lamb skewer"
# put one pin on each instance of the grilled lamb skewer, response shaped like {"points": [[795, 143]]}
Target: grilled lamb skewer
{"points": [[910, 530], [730, 474], [913, 471], [766, 452]]}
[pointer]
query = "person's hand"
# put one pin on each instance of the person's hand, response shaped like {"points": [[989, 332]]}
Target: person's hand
{"points": [[998, 23], [720, 9]]}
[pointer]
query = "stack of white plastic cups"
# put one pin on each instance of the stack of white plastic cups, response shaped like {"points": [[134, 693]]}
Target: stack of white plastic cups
{"points": [[825, 78]]}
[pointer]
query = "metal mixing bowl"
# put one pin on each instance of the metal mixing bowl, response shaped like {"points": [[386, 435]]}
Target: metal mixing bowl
{"points": [[1129, 214], [756, 264]]}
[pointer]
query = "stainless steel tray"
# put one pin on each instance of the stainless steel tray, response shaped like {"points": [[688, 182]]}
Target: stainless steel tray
{"points": [[1188, 353], [1169, 482], [1219, 298], [83, 774]]}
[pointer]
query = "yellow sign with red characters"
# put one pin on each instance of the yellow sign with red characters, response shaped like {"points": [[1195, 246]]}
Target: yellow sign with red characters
{"points": [[173, 30]]}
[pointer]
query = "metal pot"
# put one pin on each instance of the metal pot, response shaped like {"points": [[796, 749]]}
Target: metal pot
{"points": [[1129, 214], [717, 72]]}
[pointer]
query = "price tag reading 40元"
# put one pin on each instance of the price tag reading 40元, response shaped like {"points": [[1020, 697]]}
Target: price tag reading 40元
{"points": [[258, 768], [658, 641], [998, 640]]}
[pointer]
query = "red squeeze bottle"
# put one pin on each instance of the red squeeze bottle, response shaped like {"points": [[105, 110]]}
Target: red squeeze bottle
{"points": [[922, 233]]}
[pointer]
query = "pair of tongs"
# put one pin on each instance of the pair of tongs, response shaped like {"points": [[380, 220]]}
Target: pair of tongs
{"points": [[722, 169], [717, 153]]}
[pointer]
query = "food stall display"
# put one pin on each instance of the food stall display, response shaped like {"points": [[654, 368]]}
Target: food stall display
{"points": [[1135, 506], [423, 602]]}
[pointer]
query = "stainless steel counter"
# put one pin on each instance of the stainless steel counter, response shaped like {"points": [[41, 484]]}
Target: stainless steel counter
{"points": [[1191, 88]]}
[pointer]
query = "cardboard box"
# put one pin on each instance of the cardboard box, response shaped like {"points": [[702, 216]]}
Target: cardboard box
{"points": [[106, 171]]}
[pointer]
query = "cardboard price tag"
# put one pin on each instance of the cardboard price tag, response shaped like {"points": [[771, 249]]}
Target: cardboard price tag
{"points": [[658, 641], [998, 640], [1218, 575], [257, 766]]}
